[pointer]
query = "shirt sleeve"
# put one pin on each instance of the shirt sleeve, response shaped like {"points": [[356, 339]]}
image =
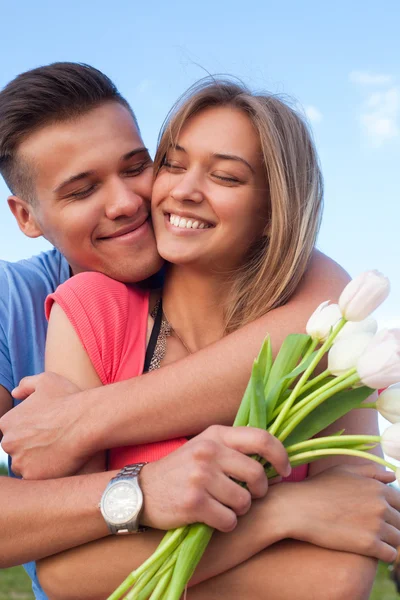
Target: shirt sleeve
{"points": [[6, 375], [110, 319]]}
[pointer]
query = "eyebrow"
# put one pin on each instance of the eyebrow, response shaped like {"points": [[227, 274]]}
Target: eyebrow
{"points": [[86, 174], [221, 156]]}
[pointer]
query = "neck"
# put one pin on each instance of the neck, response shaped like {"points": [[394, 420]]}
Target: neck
{"points": [[192, 304]]}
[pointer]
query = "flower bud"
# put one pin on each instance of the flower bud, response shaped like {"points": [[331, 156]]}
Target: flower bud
{"points": [[363, 295], [390, 441], [368, 325], [345, 353], [379, 365], [322, 320], [388, 403]]}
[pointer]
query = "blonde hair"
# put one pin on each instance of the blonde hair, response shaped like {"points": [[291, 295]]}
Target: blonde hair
{"points": [[276, 263]]}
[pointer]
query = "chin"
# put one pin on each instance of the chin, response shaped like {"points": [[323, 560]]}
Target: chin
{"points": [[135, 271]]}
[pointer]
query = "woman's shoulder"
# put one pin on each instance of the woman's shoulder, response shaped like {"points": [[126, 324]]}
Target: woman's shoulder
{"points": [[94, 293], [324, 273], [92, 282]]}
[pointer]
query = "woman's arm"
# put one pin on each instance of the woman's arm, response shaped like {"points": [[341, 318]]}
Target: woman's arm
{"points": [[66, 356], [321, 512]]}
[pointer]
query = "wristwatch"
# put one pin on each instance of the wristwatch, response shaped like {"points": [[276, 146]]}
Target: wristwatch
{"points": [[122, 501]]}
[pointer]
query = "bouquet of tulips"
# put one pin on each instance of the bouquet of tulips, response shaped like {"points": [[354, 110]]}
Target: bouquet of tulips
{"points": [[285, 397]]}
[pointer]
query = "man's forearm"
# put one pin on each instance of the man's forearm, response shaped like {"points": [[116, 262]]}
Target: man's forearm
{"points": [[185, 397], [40, 518], [96, 569], [234, 565]]}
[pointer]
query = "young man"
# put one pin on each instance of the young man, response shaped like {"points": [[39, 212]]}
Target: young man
{"points": [[72, 155]]}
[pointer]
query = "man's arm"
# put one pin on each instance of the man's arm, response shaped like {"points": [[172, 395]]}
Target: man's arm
{"points": [[180, 399], [320, 511]]}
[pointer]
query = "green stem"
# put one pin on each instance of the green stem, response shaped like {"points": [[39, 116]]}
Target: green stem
{"points": [[343, 439], [170, 541], [315, 380], [331, 384], [299, 416], [149, 580], [287, 405], [368, 405], [345, 452]]}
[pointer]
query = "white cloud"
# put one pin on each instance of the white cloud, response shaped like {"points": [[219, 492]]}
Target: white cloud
{"points": [[367, 78], [313, 114], [379, 118]]}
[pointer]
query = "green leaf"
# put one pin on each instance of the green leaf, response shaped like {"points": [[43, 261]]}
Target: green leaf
{"points": [[285, 364], [264, 359], [261, 367], [327, 413], [258, 409]]}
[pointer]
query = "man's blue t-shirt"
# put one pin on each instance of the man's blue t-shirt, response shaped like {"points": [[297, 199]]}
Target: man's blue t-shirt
{"points": [[24, 286]]}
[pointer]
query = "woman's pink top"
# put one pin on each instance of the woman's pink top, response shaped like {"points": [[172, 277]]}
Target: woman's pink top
{"points": [[110, 319]]}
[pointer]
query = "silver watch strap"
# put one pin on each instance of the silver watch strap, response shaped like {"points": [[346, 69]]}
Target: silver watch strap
{"points": [[129, 471]]}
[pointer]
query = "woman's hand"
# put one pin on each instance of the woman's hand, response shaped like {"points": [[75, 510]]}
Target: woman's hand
{"points": [[346, 508], [198, 482]]}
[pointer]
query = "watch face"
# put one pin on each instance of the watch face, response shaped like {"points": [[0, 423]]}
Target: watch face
{"points": [[121, 502]]}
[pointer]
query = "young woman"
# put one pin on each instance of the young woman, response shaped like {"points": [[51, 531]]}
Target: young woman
{"points": [[236, 208]]}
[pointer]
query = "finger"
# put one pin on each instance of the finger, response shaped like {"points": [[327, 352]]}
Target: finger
{"points": [[385, 552], [26, 387], [372, 471], [393, 497], [393, 517], [250, 440], [390, 535], [217, 515], [230, 493], [245, 469]]}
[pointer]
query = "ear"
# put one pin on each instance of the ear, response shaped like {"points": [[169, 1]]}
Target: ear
{"points": [[25, 216]]}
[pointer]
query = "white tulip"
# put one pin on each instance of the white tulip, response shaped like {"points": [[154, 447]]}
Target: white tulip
{"points": [[363, 295], [322, 320], [379, 366], [345, 353], [368, 325], [390, 441], [388, 403]]}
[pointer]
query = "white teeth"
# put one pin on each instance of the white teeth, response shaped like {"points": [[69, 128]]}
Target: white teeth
{"points": [[183, 223]]}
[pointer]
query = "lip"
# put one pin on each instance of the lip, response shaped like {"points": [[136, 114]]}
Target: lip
{"points": [[127, 229], [130, 232]]}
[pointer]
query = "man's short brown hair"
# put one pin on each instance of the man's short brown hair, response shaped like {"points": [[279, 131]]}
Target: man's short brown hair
{"points": [[42, 96]]}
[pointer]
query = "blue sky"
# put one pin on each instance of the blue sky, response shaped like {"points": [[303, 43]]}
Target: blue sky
{"points": [[341, 63]]}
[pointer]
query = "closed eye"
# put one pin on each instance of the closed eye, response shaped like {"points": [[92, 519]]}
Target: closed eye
{"points": [[138, 169], [83, 193]]}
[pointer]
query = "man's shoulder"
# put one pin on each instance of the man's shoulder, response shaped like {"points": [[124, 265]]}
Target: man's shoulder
{"points": [[47, 269]]}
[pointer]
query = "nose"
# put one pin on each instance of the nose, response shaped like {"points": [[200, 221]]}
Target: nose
{"points": [[188, 189], [122, 201]]}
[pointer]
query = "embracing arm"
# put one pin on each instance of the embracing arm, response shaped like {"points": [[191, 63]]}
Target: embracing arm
{"points": [[321, 512], [133, 411]]}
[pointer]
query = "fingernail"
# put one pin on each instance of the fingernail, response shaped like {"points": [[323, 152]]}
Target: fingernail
{"points": [[288, 471]]}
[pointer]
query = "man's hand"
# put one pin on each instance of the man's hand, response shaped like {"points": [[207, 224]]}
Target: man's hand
{"points": [[348, 508], [26, 434], [198, 482]]}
